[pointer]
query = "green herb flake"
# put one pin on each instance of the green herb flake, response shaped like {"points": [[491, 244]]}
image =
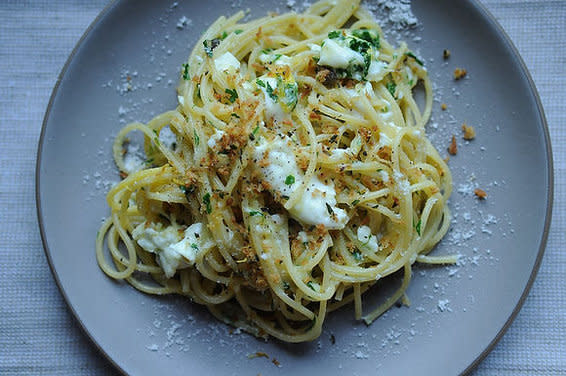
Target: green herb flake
{"points": [[277, 57], [233, 95], [206, 201], [418, 227], [254, 133], [224, 35], [391, 86], [197, 138], [238, 31], [260, 83], [291, 96], [334, 34], [289, 180], [186, 72], [329, 209], [309, 284], [370, 36], [355, 202], [270, 92], [419, 61], [266, 51], [357, 255], [253, 213], [194, 246], [235, 115]]}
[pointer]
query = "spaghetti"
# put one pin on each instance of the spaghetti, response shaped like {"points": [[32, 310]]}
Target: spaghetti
{"points": [[300, 174]]}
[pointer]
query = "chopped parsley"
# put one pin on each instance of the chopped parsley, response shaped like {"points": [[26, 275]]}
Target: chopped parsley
{"points": [[260, 83], [266, 51], [290, 179], [419, 61], [270, 92], [391, 86], [334, 34], [370, 36], [206, 201], [254, 133], [355, 202], [357, 255], [418, 227], [329, 209], [277, 56], [235, 115], [238, 31], [224, 35], [309, 284], [186, 72], [194, 246], [197, 138], [254, 213], [233, 95], [291, 95]]}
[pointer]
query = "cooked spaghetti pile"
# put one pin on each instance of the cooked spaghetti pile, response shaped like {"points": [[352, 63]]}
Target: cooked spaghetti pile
{"points": [[298, 176]]}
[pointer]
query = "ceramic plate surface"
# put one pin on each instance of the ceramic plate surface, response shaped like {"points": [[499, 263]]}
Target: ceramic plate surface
{"points": [[456, 314]]}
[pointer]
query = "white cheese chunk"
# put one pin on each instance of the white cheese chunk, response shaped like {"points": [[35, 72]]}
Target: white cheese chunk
{"points": [[226, 62], [314, 47], [272, 107], [276, 59], [367, 238], [376, 70], [318, 203], [337, 56], [175, 249], [318, 206]]}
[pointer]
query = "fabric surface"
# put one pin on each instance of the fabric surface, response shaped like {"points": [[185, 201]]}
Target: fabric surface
{"points": [[38, 334]]}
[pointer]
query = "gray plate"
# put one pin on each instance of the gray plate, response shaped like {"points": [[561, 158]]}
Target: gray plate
{"points": [[457, 313]]}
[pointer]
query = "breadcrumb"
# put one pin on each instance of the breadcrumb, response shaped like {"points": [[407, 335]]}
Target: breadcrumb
{"points": [[469, 132], [443, 106], [258, 354], [446, 54], [460, 73], [480, 193], [453, 148]]}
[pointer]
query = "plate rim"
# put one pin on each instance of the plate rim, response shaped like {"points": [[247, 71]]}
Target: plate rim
{"points": [[485, 13]]}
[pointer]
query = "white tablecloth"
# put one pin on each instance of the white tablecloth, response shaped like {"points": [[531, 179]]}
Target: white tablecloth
{"points": [[38, 334]]}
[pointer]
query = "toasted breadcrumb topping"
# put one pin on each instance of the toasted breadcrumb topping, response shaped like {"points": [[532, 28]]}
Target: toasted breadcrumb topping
{"points": [[469, 132], [460, 73], [480, 193], [453, 148]]}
